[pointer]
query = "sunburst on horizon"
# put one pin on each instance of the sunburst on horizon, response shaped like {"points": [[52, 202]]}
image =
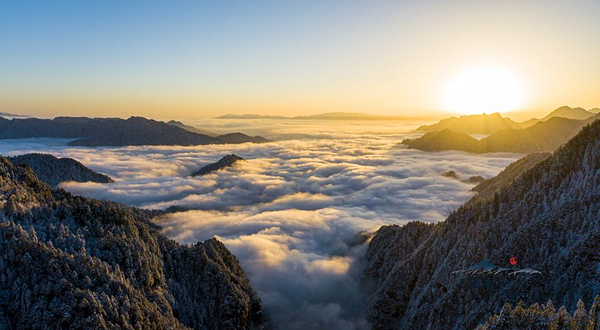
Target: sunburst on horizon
{"points": [[483, 89]]}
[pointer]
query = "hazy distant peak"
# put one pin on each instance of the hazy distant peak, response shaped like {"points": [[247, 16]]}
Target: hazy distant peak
{"points": [[472, 124], [569, 113], [250, 116], [192, 129], [12, 115]]}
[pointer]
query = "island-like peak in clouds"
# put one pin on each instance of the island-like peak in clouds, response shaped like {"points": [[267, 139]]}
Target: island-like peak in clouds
{"points": [[53, 170], [70, 262], [222, 163], [547, 219]]}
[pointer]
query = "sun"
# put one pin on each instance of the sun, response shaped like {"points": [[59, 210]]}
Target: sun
{"points": [[483, 89]]}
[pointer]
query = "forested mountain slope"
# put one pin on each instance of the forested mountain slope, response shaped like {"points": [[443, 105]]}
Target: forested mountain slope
{"points": [[79, 263], [545, 317], [548, 219], [488, 188]]}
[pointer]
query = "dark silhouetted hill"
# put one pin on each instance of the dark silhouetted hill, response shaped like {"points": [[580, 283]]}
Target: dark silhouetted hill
{"points": [[443, 140], [53, 170], [93, 132], [224, 162]]}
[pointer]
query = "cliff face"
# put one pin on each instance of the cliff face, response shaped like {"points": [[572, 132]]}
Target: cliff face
{"points": [[80, 263], [54, 170], [548, 218]]}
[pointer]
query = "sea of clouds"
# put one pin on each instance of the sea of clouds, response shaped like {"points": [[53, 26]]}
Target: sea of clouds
{"points": [[298, 212]]}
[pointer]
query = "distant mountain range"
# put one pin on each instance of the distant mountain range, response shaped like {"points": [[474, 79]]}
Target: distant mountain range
{"points": [[222, 163], [472, 124], [543, 136], [12, 115], [488, 124], [250, 116], [53, 170], [326, 116], [546, 218], [72, 262], [94, 132], [192, 128]]}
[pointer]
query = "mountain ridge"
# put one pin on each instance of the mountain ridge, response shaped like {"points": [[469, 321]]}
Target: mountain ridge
{"points": [[544, 136], [54, 170], [548, 218], [113, 132], [224, 162], [76, 262]]}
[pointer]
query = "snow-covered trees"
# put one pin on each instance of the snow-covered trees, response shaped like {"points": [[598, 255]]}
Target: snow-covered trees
{"points": [[78, 263], [548, 218]]}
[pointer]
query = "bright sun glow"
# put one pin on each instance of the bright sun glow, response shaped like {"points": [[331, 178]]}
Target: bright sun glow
{"points": [[483, 89]]}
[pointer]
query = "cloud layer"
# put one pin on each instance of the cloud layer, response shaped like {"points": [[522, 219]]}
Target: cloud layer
{"points": [[296, 214]]}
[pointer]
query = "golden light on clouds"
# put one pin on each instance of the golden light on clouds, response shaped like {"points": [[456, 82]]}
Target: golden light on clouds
{"points": [[483, 89]]}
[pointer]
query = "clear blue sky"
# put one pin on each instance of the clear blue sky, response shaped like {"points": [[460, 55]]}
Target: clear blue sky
{"points": [[201, 58]]}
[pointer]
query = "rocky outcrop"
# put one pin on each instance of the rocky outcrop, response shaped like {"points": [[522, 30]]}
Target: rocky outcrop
{"points": [[53, 170], [79, 263]]}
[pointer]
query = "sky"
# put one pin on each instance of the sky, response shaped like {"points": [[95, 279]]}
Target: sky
{"points": [[194, 59]]}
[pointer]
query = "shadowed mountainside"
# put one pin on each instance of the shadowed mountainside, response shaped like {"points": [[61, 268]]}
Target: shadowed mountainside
{"points": [[93, 132], [548, 219], [79, 263], [53, 170]]}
